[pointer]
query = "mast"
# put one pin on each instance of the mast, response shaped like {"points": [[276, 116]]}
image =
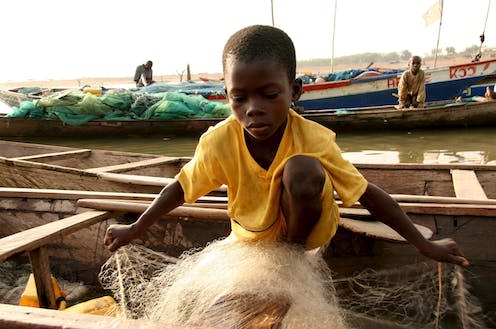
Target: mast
{"points": [[333, 34], [272, 10], [439, 31], [482, 36]]}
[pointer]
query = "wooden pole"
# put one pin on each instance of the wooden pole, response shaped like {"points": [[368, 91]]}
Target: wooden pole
{"points": [[272, 11], [439, 31], [333, 34], [40, 266]]}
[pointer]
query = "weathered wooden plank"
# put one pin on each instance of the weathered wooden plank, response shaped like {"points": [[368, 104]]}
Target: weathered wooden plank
{"points": [[467, 185], [139, 207], [142, 180], [22, 317], [451, 209], [448, 209], [38, 236], [369, 228], [133, 165], [40, 265], [58, 155], [10, 149], [379, 230], [29, 193], [135, 179]]}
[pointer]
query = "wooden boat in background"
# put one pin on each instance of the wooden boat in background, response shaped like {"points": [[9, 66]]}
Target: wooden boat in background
{"points": [[40, 166], [44, 166], [439, 115], [451, 115], [366, 87], [441, 84]]}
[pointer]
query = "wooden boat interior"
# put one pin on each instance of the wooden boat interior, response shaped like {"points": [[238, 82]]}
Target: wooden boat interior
{"points": [[73, 216], [33, 241]]}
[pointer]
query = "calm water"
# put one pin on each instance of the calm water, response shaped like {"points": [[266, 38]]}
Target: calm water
{"points": [[423, 146]]}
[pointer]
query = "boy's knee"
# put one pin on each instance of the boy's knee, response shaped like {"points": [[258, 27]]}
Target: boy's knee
{"points": [[303, 177]]}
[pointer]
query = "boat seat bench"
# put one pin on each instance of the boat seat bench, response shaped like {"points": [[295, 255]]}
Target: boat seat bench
{"points": [[23, 317], [33, 241], [467, 185], [134, 165]]}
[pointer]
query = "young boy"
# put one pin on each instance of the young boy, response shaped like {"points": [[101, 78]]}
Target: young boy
{"points": [[411, 88], [280, 169]]}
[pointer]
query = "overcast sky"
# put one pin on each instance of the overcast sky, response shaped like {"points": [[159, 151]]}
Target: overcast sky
{"points": [[54, 39]]}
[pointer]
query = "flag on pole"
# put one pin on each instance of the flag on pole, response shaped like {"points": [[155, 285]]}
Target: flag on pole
{"points": [[433, 14]]}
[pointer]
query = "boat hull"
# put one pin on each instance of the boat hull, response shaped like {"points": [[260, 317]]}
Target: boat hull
{"points": [[441, 84], [349, 253], [26, 165], [450, 115]]}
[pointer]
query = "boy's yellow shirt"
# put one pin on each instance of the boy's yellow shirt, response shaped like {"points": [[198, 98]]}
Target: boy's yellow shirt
{"points": [[411, 84], [254, 193]]}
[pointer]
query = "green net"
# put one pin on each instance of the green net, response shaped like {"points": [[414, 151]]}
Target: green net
{"points": [[77, 108]]}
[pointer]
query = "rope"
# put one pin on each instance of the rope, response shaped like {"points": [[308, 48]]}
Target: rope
{"points": [[121, 286], [482, 36], [440, 294], [462, 300], [487, 15]]}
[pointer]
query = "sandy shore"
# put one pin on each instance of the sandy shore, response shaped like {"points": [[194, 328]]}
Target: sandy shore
{"points": [[127, 82], [124, 82]]}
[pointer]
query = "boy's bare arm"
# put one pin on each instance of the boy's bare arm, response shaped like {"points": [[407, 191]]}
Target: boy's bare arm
{"points": [[384, 208], [171, 197]]}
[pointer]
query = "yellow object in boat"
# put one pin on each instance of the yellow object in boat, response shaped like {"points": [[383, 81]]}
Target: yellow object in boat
{"points": [[93, 90], [30, 296], [105, 305]]}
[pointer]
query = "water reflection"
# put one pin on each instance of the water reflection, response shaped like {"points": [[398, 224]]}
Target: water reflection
{"points": [[423, 146], [441, 146]]}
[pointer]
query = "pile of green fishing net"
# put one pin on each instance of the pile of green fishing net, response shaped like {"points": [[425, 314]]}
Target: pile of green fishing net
{"points": [[77, 108]]}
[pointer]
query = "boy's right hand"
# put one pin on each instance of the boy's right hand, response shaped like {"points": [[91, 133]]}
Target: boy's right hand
{"points": [[118, 235]]}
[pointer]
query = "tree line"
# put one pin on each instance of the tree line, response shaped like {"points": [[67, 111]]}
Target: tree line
{"points": [[394, 57]]}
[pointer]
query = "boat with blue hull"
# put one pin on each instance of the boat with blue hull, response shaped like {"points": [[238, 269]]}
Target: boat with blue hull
{"points": [[441, 84]]}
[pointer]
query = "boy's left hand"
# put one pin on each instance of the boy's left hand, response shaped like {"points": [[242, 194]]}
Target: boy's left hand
{"points": [[445, 250]]}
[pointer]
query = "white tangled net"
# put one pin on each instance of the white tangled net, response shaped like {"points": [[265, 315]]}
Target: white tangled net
{"points": [[258, 285]]}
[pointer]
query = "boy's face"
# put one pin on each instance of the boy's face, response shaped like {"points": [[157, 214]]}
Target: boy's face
{"points": [[415, 64], [260, 94]]}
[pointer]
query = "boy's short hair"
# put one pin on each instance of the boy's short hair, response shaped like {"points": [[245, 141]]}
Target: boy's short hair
{"points": [[262, 42], [415, 57]]}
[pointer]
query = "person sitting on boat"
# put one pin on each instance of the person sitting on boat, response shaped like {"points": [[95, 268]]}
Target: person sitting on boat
{"points": [[490, 94], [143, 75], [280, 169], [411, 88]]}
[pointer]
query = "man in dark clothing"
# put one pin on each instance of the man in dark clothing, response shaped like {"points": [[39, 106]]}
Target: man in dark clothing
{"points": [[144, 74]]}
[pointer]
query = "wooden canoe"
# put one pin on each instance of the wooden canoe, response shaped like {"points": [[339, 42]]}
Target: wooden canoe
{"points": [[28, 165], [473, 114], [38, 216], [45, 166]]}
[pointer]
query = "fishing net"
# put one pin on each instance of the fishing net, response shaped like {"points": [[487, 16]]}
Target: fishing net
{"points": [[77, 108], [422, 295], [258, 285], [226, 285]]}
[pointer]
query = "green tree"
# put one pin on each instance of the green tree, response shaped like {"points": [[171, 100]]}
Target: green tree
{"points": [[469, 51], [439, 51], [405, 54], [450, 50], [391, 57]]}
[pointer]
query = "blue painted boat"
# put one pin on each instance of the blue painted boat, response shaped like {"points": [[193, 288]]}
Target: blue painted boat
{"points": [[441, 84]]}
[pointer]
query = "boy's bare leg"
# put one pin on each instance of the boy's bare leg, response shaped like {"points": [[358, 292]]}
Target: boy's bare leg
{"points": [[303, 180]]}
